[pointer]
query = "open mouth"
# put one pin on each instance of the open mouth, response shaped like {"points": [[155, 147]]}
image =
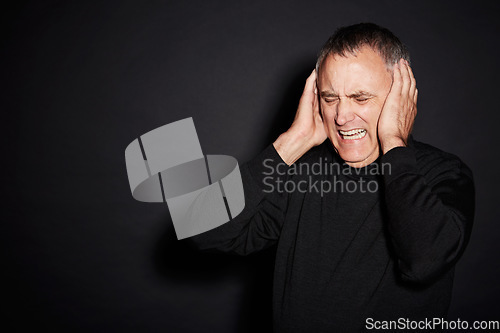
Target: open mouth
{"points": [[353, 134]]}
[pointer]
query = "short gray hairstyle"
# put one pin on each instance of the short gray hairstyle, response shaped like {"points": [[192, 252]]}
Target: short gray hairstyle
{"points": [[350, 39]]}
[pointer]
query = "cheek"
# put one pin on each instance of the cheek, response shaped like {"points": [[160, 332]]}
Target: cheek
{"points": [[370, 114], [328, 114]]}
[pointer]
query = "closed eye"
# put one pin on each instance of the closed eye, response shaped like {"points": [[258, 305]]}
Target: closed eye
{"points": [[361, 97], [331, 100]]}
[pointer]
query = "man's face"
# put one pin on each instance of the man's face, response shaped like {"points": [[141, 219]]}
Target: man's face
{"points": [[352, 91]]}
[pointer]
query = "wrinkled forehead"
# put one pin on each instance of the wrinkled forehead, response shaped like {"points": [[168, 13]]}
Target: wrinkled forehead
{"points": [[363, 70]]}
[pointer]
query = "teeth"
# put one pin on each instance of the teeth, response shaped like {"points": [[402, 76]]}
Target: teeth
{"points": [[353, 134]]}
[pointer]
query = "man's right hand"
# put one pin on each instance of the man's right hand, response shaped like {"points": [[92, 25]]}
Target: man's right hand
{"points": [[307, 129]]}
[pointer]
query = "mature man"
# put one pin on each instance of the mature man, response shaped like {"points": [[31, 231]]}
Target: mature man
{"points": [[350, 255]]}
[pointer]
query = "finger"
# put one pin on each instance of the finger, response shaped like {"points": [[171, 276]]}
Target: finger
{"points": [[405, 75], [317, 112], [308, 94], [415, 96], [316, 85], [413, 85], [311, 82], [412, 77], [397, 81], [317, 104]]}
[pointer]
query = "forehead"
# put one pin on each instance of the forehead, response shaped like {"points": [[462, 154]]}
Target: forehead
{"points": [[365, 70]]}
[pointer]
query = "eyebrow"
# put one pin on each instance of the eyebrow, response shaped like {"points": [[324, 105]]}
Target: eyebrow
{"points": [[356, 94]]}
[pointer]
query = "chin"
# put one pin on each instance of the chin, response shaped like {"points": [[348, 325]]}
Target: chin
{"points": [[353, 157], [355, 148], [358, 156]]}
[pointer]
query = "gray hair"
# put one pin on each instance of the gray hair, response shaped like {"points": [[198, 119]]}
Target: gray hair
{"points": [[350, 39]]}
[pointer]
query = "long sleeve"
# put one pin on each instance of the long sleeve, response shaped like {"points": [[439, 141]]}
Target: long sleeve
{"points": [[430, 207], [258, 226]]}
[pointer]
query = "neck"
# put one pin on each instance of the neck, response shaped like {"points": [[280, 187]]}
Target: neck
{"points": [[369, 160]]}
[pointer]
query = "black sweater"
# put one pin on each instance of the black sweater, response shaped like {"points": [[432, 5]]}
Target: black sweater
{"points": [[373, 246]]}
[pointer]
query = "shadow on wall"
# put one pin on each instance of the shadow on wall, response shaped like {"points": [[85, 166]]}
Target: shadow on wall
{"points": [[284, 111], [180, 262]]}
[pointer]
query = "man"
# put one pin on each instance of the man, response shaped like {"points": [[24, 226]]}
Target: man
{"points": [[351, 255]]}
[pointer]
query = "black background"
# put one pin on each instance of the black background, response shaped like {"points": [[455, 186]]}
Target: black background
{"points": [[81, 80]]}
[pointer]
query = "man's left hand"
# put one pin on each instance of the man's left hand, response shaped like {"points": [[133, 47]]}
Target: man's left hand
{"points": [[400, 109]]}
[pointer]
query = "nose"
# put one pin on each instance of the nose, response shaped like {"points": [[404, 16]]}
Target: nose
{"points": [[344, 112]]}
